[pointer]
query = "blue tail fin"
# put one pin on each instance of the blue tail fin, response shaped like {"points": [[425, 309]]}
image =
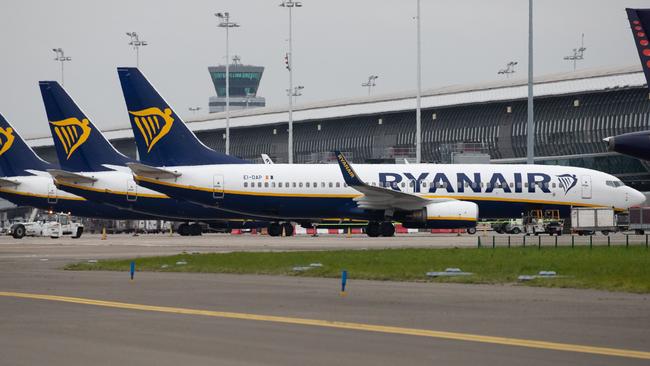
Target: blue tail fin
{"points": [[15, 156], [79, 145], [640, 24], [162, 137]]}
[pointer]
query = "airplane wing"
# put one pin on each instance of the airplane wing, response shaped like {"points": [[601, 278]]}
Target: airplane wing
{"points": [[7, 182], [143, 170], [267, 159], [58, 174], [380, 198]]}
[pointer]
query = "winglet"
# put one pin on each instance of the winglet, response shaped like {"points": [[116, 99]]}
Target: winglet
{"points": [[349, 175]]}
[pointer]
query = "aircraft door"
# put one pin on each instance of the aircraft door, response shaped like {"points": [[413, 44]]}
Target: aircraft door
{"points": [[131, 191], [217, 186], [51, 194], [585, 183]]}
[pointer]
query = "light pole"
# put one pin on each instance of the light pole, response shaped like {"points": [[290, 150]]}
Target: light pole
{"points": [[530, 130], [510, 69], [194, 109], [227, 24], [418, 111], [370, 83], [61, 57], [290, 4], [136, 43], [578, 53]]}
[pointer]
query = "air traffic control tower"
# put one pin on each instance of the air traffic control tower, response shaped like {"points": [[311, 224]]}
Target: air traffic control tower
{"points": [[244, 81]]}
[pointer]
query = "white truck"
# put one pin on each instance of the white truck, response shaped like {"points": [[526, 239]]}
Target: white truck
{"points": [[54, 226], [587, 221]]}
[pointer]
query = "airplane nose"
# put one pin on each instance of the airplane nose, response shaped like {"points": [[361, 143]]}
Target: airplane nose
{"points": [[636, 198]]}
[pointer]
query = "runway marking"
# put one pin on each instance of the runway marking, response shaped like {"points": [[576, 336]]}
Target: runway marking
{"points": [[528, 343]]}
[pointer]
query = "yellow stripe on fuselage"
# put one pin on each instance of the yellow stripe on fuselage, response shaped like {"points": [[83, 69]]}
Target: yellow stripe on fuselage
{"points": [[30, 194], [107, 191]]}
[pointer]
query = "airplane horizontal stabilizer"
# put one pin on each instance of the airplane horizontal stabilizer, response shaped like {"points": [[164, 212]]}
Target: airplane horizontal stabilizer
{"points": [[143, 170], [6, 182], [65, 175]]}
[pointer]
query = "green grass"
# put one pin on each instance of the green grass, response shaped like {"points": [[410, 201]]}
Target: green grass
{"points": [[614, 269]]}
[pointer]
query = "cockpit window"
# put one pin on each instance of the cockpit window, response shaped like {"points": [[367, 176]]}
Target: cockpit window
{"points": [[614, 183]]}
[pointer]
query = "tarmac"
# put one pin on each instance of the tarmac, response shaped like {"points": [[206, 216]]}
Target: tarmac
{"points": [[55, 317]]}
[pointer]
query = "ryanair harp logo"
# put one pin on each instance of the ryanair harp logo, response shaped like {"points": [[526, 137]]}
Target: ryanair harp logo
{"points": [[6, 143], [567, 181], [72, 133], [153, 124]]}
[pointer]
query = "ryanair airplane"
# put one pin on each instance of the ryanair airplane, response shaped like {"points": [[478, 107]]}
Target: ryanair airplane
{"points": [[636, 144], [92, 168], [24, 181], [176, 163]]}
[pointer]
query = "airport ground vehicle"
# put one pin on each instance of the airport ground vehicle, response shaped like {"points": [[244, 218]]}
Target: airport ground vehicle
{"points": [[535, 222], [639, 220], [54, 226], [587, 221]]}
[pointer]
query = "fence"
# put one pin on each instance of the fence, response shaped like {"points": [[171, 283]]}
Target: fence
{"points": [[572, 241]]}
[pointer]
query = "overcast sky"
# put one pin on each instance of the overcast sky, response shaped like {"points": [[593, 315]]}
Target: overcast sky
{"points": [[337, 44]]}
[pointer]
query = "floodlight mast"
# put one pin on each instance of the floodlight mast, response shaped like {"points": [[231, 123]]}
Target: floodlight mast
{"points": [[578, 53], [61, 57], [370, 83], [418, 104], [136, 42], [227, 24], [509, 70], [290, 4]]}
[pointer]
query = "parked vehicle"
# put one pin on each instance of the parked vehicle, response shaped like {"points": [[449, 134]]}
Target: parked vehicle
{"points": [[587, 220], [53, 225], [639, 220]]}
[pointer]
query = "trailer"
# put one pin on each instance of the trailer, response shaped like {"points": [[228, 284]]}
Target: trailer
{"points": [[639, 220], [587, 220]]}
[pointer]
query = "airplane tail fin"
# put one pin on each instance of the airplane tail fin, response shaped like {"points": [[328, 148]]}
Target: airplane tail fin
{"points": [[79, 145], [163, 139], [640, 25], [16, 157]]}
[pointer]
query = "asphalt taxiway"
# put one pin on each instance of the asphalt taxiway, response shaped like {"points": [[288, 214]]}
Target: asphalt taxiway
{"points": [[55, 317]]}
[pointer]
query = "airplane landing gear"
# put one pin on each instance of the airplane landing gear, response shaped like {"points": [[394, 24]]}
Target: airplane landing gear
{"points": [[387, 229], [276, 228], [384, 228]]}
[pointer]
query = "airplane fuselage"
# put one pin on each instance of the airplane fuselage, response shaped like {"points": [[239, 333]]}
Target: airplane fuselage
{"points": [[318, 191]]}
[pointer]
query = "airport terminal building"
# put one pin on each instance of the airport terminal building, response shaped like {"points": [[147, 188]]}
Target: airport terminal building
{"points": [[573, 113]]}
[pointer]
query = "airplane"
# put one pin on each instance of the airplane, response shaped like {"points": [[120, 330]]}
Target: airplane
{"points": [[417, 195], [636, 144], [24, 181], [92, 168]]}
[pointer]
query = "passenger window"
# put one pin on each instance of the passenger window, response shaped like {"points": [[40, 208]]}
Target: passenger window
{"points": [[512, 185], [331, 185], [300, 184], [411, 184], [518, 184], [259, 184], [272, 184], [424, 184], [307, 184], [553, 185], [322, 184], [245, 184], [444, 185], [286, 184], [266, 184], [315, 185], [403, 184], [279, 184], [526, 184], [338, 184]]}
